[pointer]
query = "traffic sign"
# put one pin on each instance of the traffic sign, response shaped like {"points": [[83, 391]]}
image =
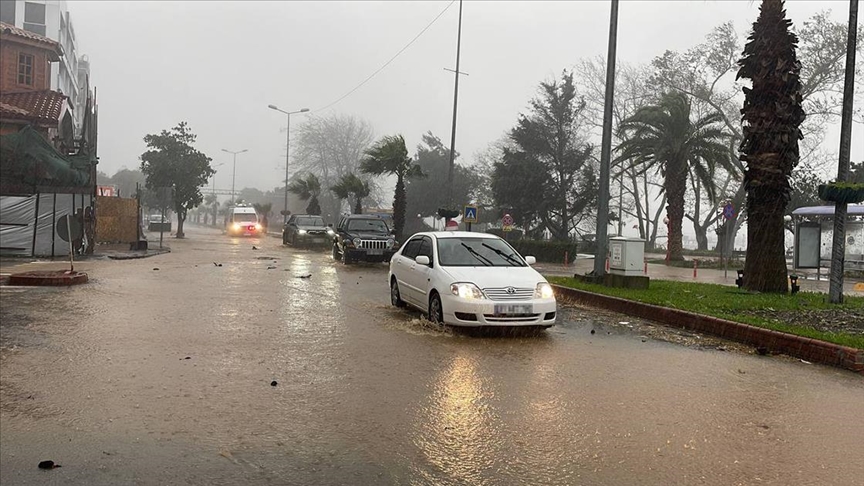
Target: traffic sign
{"points": [[729, 211], [507, 223], [469, 215]]}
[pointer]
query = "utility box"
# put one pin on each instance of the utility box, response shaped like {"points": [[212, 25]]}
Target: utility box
{"points": [[627, 256]]}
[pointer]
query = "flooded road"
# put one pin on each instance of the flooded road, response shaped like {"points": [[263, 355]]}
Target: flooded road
{"points": [[160, 371]]}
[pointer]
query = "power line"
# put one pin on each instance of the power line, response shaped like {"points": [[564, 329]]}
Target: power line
{"points": [[391, 59]]}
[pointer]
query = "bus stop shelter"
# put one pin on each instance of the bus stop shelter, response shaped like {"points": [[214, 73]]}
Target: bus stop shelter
{"points": [[814, 233]]}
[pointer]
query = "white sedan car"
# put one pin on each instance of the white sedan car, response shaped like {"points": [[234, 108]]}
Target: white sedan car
{"points": [[470, 279]]}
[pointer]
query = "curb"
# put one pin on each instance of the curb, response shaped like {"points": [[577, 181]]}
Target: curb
{"points": [[56, 278], [136, 256], [808, 349]]}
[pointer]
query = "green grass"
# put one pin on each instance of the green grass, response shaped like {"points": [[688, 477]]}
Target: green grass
{"points": [[731, 303]]}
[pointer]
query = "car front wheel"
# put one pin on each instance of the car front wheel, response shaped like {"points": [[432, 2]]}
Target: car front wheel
{"points": [[336, 255], [436, 310], [395, 296]]}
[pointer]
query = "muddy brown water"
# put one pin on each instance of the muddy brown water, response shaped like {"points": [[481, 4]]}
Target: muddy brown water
{"points": [[96, 379]]}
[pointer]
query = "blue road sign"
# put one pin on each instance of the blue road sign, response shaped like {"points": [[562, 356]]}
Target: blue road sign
{"points": [[469, 215], [729, 211]]}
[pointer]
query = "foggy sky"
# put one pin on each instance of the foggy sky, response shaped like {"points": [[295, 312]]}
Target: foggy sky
{"points": [[217, 65]]}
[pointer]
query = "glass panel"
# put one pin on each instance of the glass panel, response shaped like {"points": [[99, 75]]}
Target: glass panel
{"points": [[7, 12], [471, 252], [34, 13]]}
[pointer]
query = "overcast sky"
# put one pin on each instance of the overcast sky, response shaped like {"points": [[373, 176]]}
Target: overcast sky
{"points": [[217, 65]]}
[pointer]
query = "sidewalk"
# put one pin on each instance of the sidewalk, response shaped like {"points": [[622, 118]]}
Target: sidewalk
{"points": [[807, 281]]}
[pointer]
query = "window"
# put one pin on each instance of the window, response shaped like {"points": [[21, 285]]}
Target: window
{"points": [[367, 225], [7, 12], [34, 18], [477, 252], [426, 248], [314, 221], [245, 218], [412, 248], [34, 13], [25, 69]]}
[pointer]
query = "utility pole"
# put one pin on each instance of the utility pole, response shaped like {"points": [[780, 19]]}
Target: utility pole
{"points": [[287, 152], [234, 169], [455, 102], [606, 147], [838, 249]]}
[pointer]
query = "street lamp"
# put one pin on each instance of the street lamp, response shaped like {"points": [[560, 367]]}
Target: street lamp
{"points": [[234, 170], [287, 152]]}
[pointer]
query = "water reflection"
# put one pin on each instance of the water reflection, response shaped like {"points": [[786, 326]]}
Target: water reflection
{"points": [[460, 438]]}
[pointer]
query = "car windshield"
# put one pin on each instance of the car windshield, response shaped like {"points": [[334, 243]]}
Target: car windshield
{"points": [[245, 217], [312, 221], [367, 225], [477, 252]]}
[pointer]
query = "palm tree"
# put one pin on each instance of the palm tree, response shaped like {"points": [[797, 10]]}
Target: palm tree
{"points": [[772, 115], [264, 209], [351, 185], [389, 156], [663, 137], [213, 202], [308, 189]]}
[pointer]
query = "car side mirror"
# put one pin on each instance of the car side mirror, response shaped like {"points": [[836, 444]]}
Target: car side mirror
{"points": [[393, 232], [330, 225], [530, 260], [422, 260]]}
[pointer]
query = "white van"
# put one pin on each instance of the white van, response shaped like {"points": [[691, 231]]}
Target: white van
{"points": [[243, 220]]}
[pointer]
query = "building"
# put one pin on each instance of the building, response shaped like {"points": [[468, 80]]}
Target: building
{"points": [[51, 19], [25, 94]]}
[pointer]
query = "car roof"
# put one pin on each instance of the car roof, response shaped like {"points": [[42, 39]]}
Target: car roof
{"points": [[244, 210], [456, 234]]}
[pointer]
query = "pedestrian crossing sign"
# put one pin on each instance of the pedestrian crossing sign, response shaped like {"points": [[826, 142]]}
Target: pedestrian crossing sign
{"points": [[470, 214]]}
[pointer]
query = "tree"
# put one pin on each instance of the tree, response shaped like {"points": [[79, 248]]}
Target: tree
{"points": [[172, 161], [331, 147], [211, 201], [352, 186], [390, 156], [772, 116], [550, 139], [128, 182], [426, 193], [308, 189], [663, 137], [264, 209], [705, 71]]}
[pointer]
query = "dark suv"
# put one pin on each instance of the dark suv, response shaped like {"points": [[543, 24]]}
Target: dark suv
{"points": [[362, 237], [306, 229]]}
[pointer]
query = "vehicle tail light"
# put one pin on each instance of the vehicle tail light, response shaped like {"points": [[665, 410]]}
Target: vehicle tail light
{"points": [[251, 228]]}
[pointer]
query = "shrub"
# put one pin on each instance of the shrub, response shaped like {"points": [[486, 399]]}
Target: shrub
{"points": [[546, 251]]}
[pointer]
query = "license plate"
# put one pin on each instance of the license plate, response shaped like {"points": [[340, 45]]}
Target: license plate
{"points": [[501, 309], [375, 252]]}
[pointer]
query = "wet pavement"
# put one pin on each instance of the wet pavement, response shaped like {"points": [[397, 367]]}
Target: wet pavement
{"points": [[159, 372]]}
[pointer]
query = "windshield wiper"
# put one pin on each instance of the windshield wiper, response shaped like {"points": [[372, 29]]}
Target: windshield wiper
{"points": [[486, 262], [508, 257]]}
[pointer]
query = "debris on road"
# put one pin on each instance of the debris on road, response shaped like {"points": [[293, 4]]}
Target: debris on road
{"points": [[155, 268], [271, 267], [273, 383], [593, 331], [48, 465], [187, 357], [217, 264], [305, 276], [254, 247]]}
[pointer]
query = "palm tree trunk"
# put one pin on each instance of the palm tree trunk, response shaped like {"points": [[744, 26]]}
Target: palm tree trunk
{"points": [[676, 187], [399, 204], [765, 266]]}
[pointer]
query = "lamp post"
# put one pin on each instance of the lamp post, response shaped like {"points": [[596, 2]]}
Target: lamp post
{"points": [[234, 169], [287, 152]]}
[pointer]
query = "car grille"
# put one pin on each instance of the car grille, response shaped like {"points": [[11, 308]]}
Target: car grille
{"points": [[316, 232], [505, 293], [512, 318], [373, 245]]}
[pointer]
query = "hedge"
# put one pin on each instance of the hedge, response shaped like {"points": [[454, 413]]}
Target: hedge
{"points": [[546, 251]]}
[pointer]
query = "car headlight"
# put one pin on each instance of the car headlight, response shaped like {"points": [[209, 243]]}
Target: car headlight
{"points": [[331, 232], [236, 226], [391, 243], [544, 291], [301, 232], [257, 227], [466, 291], [358, 242]]}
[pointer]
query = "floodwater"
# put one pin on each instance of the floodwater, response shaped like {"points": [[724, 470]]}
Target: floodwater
{"points": [[149, 376]]}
